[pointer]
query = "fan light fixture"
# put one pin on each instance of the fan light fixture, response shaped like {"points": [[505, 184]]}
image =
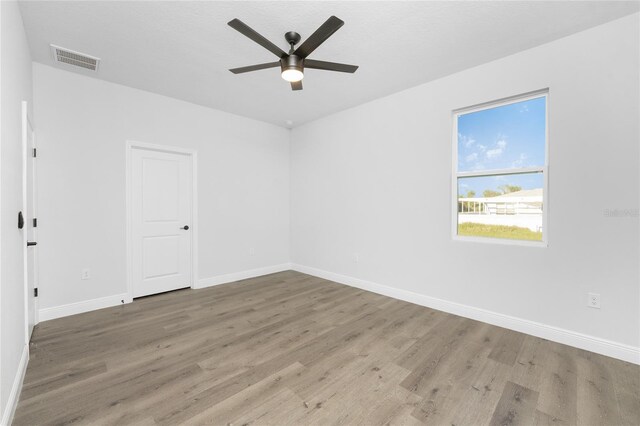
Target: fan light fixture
{"points": [[292, 75], [293, 64], [292, 68]]}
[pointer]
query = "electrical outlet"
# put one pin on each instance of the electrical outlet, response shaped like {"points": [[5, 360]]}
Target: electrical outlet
{"points": [[356, 257], [252, 251], [86, 274], [594, 300]]}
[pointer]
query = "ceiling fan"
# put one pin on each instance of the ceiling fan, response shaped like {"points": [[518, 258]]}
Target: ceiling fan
{"points": [[293, 63]]}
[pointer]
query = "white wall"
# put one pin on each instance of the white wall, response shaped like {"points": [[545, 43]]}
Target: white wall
{"points": [[83, 123], [15, 87], [375, 180]]}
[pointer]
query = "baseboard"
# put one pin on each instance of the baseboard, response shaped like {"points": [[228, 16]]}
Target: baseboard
{"points": [[16, 387], [590, 343], [242, 275], [80, 307], [106, 302]]}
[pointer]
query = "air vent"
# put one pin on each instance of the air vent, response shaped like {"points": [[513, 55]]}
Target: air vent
{"points": [[77, 59]]}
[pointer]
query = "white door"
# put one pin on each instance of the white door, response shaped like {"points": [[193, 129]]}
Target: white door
{"points": [[29, 203], [161, 220]]}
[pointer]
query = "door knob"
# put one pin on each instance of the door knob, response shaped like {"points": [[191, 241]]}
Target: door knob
{"points": [[186, 227], [31, 243]]}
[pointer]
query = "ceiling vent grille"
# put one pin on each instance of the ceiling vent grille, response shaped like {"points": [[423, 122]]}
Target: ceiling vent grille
{"points": [[77, 59]]}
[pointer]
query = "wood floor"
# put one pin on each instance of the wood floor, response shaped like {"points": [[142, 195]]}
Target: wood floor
{"points": [[289, 348]]}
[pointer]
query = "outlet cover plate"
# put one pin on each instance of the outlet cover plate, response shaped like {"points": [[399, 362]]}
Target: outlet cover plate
{"points": [[593, 301]]}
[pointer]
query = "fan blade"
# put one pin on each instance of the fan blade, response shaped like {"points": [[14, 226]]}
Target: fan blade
{"points": [[325, 31], [296, 85], [329, 66], [243, 28], [255, 67]]}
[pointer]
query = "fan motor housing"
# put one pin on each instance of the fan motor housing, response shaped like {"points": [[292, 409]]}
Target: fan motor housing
{"points": [[292, 62]]}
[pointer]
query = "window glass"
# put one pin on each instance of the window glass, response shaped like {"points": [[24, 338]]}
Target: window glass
{"points": [[502, 206], [505, 137], [500, 170]]}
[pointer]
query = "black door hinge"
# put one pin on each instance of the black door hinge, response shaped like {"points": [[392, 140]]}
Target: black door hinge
{"points": [[35, 222], [35, 292], [34, 152]]}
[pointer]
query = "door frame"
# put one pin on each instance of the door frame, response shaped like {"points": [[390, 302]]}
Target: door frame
{"points": [[26, 126], [193, 155]]}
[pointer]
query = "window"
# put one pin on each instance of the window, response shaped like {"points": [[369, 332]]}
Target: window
{"points": [[500, 171]]}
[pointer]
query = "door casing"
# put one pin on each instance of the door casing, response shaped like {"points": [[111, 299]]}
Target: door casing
{"points": [[28, 131], [133, 145]]}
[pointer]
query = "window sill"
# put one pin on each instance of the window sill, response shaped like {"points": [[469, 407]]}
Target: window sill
{"points": [[501, 241]]}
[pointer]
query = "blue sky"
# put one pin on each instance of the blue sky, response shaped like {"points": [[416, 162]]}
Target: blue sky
{"points": [[505, 137]]}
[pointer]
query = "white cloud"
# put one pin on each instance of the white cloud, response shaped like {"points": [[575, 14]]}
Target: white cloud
{"points": [[520, 161], [471, 157], [482, 148], [494, 153], [467, 141], [499, 147]]}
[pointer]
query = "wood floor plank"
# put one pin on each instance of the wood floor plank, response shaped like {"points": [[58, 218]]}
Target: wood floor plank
{"points": [[381, 380], [415, 355], [559, 382], [278, 410], [543, 419], [63, 378], [479, 399], [439, 358], [507, 348], [517, 406], [292, 349], [596, 398], [238, 405], [328, 373], [449, 383], [626, 383]]}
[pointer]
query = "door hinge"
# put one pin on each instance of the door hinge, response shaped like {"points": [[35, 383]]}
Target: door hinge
{"points": [[34, 152], [35, 222], [35, 292]]}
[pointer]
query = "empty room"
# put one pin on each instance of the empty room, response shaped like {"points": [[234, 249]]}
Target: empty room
{"points": [[320, 213]]}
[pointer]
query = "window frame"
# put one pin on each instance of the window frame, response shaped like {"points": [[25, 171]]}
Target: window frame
{"points": [[544, 169]]}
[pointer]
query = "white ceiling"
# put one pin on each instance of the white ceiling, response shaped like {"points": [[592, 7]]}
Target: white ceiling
{"points": [[184, 49]]}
